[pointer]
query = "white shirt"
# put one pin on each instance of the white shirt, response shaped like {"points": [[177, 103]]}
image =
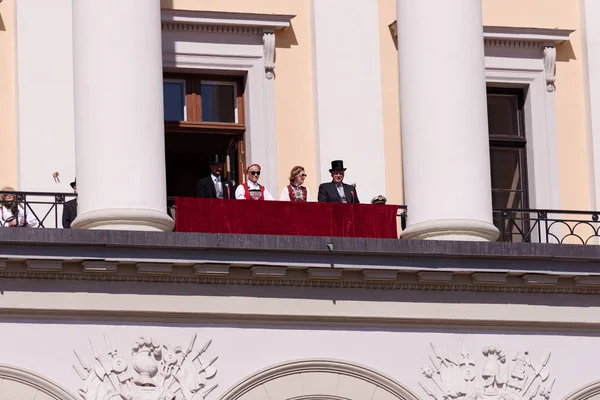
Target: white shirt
{"points": [[218, 185], [32, 221], [240, 192], [340, 189], [285, 195]]}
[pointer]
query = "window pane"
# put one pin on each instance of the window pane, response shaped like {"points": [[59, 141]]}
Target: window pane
{"points": [[218, 102], [503, 114], [506, 165], [174, 100]]}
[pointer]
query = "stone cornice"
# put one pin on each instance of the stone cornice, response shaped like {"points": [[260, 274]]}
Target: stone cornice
{"points": [[220, 22], [80, 244], [309, 276], [524, 37], [504, 36]]}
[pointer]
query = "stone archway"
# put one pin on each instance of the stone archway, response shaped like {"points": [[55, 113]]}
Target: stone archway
{"points": [[591, 391], [18, 383], [318, 379]]}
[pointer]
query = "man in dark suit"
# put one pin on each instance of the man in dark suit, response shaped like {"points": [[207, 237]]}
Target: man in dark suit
{"points": [[70, 209], [337, 191], [214, 186]]}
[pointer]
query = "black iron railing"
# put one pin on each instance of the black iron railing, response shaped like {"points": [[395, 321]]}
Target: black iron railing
{"points": [[548, 226], [402, 215], [41, 209]]}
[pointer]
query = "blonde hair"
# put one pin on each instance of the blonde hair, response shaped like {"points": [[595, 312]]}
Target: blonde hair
{"points": [[295, 172], [6, 189]]}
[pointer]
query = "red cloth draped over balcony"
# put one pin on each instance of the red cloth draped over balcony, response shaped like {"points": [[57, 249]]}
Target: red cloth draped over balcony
{"points": [[285, 218]]}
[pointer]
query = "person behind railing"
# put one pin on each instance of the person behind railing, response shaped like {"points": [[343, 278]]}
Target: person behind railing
{"points": [[252, 190], [13, 213], [295, 191], [337, 191], [379, 200], [214, 186], [70, 208]]}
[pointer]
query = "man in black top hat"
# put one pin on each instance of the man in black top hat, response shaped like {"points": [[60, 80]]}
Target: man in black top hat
{"points": [[214, 186], [337, 191], [70, 209]]}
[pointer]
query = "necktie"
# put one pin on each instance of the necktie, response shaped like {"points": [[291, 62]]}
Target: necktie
{"points": [[218, 188], [340, 189]]}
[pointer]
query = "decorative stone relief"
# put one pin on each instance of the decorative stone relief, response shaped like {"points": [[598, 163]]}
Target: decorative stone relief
{"points": [[153, 371], [549, 67], [492, 378], [269, 51]]}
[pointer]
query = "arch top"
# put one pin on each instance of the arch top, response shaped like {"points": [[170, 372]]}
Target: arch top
{"points": [[586, 392], [25, 385], [308, 379]]}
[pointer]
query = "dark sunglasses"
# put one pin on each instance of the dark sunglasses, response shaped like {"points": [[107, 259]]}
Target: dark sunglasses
{"points": [[255, 173]]}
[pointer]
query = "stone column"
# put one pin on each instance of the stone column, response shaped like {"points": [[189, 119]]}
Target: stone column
{"points": [[445, 145], [119, 131]]}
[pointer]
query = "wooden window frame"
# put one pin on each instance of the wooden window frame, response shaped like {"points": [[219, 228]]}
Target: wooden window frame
{"points": [[193, 109], [515, 142], [193, 112]]}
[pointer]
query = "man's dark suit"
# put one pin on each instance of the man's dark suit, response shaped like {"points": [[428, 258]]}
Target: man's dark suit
{"points": [[328, 193], [69, 213], [206, 188]]}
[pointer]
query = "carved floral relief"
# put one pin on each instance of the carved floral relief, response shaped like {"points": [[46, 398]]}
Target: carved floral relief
{"points": [[494, 376], [152, 371]]}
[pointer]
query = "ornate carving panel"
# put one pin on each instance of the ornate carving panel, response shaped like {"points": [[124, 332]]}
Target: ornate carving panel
{"points": [[153, 370], [494, 374]]}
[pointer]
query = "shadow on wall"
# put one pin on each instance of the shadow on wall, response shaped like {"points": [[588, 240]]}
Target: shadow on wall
{"points": [[168, 4], [565, 52], [2, 26], [286, 39]]}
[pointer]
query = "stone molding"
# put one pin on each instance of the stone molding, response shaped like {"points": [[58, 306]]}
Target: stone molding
{"points": [[297, 368], [586, 392], [33, 380], [309, 276], [523, 38], [234, 23], [477, 375], [148, 371], [506, 36]]}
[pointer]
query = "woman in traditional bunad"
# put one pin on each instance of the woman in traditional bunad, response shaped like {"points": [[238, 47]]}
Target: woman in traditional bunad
{"points": [[296, 191], [252, 190], [13, 213]]}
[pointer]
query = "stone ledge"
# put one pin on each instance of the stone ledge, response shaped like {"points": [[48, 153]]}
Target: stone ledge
{"points": [[309, 276], [99, 239]]}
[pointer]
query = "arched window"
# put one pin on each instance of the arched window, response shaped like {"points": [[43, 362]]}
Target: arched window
{"points": [[17, 383], [320, 379]]}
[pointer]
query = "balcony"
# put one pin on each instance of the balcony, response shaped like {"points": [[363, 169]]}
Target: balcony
{"points": [[515, 225], [548, 226]]}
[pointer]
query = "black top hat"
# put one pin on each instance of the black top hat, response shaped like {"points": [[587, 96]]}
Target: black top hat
{"points": [[217, 159], [73, 184], [337, 165]]}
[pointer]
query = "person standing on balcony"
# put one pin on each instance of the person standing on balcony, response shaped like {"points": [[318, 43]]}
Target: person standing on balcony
{"points": [[296, 191], [213, 186], [337, 191], [13, 213], [70, 208], [252, 190]]}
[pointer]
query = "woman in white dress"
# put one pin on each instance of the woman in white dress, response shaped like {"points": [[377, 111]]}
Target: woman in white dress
{"points": [[296, 191], [252, 190], [13, 213]]}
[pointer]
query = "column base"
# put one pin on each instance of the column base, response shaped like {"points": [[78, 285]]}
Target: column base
{"points": [[125, 219], [452, 229]]}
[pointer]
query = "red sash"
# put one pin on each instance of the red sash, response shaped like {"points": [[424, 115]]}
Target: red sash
{"points": [[247, 192], [291, 194]]}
